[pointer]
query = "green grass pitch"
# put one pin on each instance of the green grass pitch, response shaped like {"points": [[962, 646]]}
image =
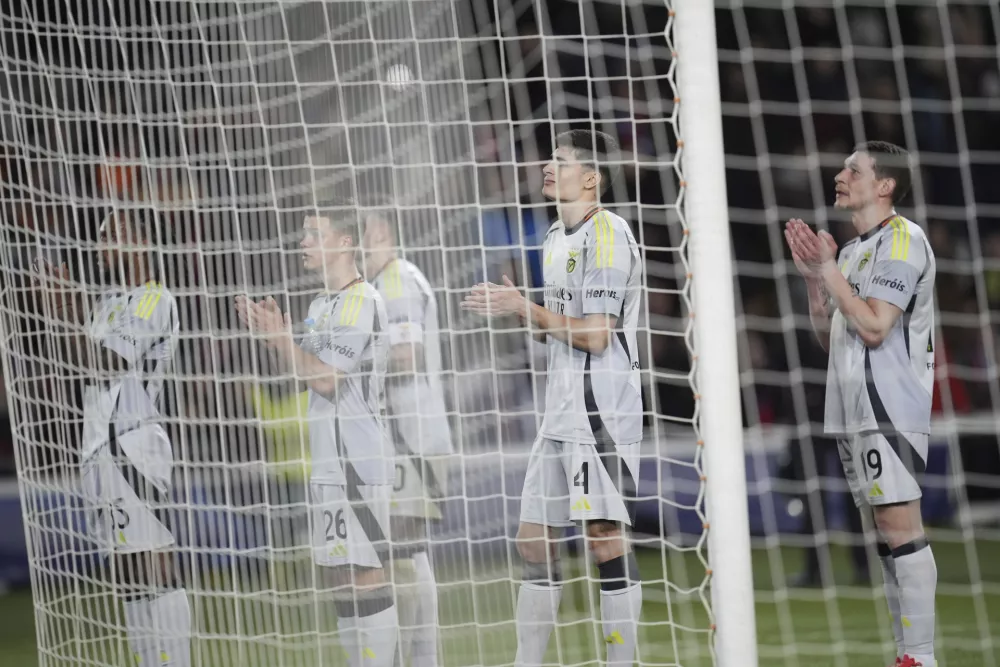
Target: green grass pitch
{"points": [[838, 627]]}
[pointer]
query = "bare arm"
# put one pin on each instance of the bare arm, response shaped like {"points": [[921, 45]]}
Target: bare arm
{"points": [[591, 333], [70, 310], [819, 312], [872, 319], [266, 319]]}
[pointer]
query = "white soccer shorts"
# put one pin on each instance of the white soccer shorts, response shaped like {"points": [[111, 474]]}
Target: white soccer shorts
{"points": [[419, 485], [350, 526], [571, 482], [124, 492], [883, 469]]}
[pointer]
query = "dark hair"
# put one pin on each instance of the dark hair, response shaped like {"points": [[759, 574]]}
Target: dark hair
{"points": [[147, 221], [342, 214], [889, 161], [595, 148]]}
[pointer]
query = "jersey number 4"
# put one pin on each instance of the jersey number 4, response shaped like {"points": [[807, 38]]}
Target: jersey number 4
{"points": [[582, 478]]}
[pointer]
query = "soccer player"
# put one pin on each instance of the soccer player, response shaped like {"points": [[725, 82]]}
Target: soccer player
{"points": [[419, 426], [123, 343], [872, 307], [341, 357], [584, 462]]}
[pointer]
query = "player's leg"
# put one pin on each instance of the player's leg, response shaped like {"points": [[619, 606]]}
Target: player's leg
{"points": [[351, 548], [544, 511], [417, 489], [157, 610], [851, 451], [406, 531], [893, 463], [424, 652], [132, 530], [602, 496]]}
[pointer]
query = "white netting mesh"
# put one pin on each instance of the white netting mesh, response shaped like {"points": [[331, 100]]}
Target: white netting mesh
{"points": [[230, 118], [801, 84]]}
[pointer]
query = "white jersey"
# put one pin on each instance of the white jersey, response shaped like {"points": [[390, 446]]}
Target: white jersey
{"points": [[594, 268], [140, 326], [886, 388], [417, 413], [347, 439]]}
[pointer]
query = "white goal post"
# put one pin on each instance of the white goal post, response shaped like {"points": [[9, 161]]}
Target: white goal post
{"points": [[230, 119], [717, 389]]}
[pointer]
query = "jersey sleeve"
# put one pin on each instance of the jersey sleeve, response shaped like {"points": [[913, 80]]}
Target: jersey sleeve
{"points": [[406, 308], [148, 321], [607, 265], [349, 330], [899, 263]]}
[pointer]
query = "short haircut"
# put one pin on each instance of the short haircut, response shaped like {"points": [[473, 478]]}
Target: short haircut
{"points": [[342, 214], [145, 220], [385, 210], [595, 148], [889, 161]]}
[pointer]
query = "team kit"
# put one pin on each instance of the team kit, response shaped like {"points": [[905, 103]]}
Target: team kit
{"points": [[368, 354]]}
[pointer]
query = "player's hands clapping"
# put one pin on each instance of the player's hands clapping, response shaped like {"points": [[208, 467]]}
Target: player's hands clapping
{"points": [[265, 319], [57, 286], [810, 250], [491, 299]]}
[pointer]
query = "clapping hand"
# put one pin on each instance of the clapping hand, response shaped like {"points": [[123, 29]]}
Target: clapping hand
{"points": [[265, 319], [810, 250], [488, 299]]}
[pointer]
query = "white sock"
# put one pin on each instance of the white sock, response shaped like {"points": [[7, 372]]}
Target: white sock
{"points": [[891, 586], [620, 620], [425, 644], [404, 579], [140, 633], [916, 573], [377, 638], [348, 636], [537, 608], [159, 630]]}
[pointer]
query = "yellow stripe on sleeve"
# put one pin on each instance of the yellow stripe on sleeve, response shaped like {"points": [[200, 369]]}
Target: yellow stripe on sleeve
{"points": [[147, 305], [393, 282], [349, 314], [605, 240], [900, 239], [601, 229]]}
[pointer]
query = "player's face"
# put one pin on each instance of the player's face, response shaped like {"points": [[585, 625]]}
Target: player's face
{"points": [[320, 244], [856, 184], [118, 244], [566, 178]]}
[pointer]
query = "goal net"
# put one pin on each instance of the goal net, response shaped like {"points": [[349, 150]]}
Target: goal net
{"points": [[232, 120], [802, 83]]}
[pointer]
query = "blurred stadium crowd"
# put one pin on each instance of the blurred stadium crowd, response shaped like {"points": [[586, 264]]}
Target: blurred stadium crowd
{"points": [[800, 87]]}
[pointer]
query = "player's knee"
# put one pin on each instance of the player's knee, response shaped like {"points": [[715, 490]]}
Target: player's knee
{"points": [[605, 540], [542, 573], [533, 543], [619, 572], [136, 573], [899, 524], [363, 602]]}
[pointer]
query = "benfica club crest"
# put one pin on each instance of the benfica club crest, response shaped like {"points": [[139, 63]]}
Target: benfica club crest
{"points": [[571, 262]]}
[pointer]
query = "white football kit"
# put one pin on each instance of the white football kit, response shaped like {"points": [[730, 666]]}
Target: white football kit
{"points": [[127, 459], [351, 454], [417, 417], [584, 463], [878, 399]]}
